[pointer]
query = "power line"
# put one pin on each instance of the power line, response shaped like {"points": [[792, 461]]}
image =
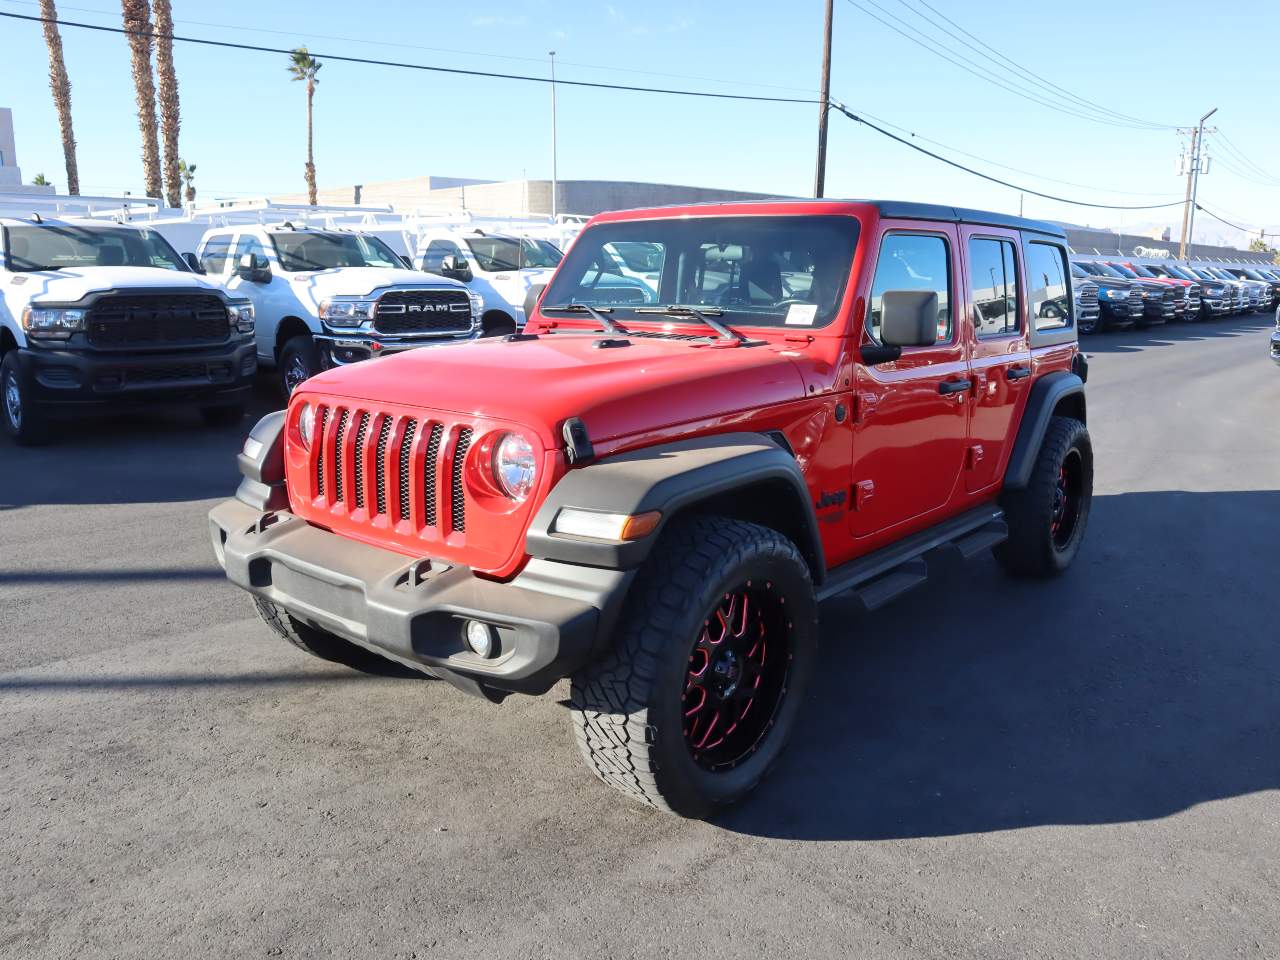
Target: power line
{"points": [[1248, 230], [1235, 152], [977, 70], [338, 58], [1004, 183], [414, 46], [1005, 60]]}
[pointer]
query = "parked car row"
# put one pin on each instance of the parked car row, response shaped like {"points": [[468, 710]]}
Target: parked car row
{"points": [[1121, 293]]}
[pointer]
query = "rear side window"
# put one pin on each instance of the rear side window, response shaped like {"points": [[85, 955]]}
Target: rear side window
{"points": [[213, 258], [437, 250], [993, 279], [248, 243], [912, 261], [1047, 280]]}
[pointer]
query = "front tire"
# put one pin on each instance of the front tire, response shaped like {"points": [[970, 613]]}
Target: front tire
{"points": [[715, 643], [22, 419], [1047, 518], [299, 361], [317, 642]]}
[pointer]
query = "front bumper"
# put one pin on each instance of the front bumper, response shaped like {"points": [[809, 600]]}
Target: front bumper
{"points": [[76, 379], [1216, 306], [550, 619], [358, 345], [1275, 346]]}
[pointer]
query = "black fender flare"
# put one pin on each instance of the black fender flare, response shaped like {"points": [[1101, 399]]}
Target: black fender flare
{"points": [[261, 463], [670, 477], [1046, 394]]}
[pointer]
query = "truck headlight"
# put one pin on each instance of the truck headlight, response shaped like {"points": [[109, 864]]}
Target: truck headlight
{"points": [[241, 316], [514, 466], [52, 323], [347, 313], [477, 306], [1112, 293]]}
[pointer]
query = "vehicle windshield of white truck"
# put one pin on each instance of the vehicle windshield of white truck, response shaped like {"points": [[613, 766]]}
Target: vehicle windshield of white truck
{"points": [[756, 270], [59, 246], [327, 251], [495, 254]]}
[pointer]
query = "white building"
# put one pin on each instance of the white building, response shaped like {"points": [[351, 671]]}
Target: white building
{"points": [[10, 172]]}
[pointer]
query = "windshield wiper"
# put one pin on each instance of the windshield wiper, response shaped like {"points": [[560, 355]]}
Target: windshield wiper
{"points": [[609, 325], [706, 314]]}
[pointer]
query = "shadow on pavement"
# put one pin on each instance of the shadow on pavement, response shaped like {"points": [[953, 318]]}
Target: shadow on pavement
{"points": [[17, 684], [1135, 340], [70, 576], [1140, 684]]}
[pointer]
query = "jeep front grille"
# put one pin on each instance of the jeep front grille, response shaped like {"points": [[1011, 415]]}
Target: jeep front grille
{"points": [[435, 312], [156, 320], [390, 468]]}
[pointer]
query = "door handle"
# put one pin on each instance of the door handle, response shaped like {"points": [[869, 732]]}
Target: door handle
{"points": [[1017, 373], [954, 386]]}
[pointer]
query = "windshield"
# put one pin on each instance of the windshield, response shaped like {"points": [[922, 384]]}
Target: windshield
{"points": [[1183, 273], [1103, 270], [1143, 271], [495, 254], [327, 251], [764, 270], [1079, 272], [58, 246], [1123, 271]]}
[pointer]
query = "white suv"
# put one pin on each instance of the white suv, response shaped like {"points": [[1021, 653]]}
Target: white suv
{"points": [[506, 271], [95, 314], [330, 297]]}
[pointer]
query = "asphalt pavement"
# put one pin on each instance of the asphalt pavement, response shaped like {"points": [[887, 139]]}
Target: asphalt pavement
{"points": [[1083, 768]]}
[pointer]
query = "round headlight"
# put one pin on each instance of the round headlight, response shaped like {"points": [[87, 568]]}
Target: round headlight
{"points": [[307, 424], [514, 466]]}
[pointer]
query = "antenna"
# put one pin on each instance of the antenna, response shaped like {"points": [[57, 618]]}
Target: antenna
{"points": [[36, 218]]}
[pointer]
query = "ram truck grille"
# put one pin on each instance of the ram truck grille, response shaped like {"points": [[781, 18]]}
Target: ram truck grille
{"points": [[436, 312], [124, 322]]}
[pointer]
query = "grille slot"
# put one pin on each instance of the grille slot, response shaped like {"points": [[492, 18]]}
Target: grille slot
{"points": [[380, 467], [423, 311], [457, 500], [318, 442], [430, 473], [406, 446], [116, 322], [337, 454], [362, 432]]}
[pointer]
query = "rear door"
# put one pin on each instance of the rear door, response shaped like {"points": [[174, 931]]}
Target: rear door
{"points": [[912, 413], [995, 311]]}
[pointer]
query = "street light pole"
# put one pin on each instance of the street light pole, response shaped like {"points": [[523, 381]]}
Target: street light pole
{"points": [[1193, 184], [555, 188], [824, 108]]}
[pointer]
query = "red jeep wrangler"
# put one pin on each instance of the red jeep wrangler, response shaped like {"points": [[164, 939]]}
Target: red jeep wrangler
{"points": [[716, 417]]}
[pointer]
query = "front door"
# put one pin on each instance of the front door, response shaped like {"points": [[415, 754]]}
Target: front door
{"points": [[912, 413], [1001, 354]]}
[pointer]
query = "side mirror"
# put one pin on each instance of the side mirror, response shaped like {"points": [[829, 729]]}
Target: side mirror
{"points": [[406, 261], [909, 318], [455, 268], [253, 268], [193, 262]]}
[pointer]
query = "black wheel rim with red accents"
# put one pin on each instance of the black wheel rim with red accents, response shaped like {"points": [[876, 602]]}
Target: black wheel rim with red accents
{"points": [[1067, 496], [737, 676]]}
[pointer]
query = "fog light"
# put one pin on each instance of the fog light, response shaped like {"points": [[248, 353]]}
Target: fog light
{"points": [[481, 639]]}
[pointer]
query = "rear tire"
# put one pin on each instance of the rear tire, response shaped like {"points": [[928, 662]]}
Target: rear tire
{"points": [[299, 361], [320, 643], [23, 421], [1047, 518], [646, 716]]}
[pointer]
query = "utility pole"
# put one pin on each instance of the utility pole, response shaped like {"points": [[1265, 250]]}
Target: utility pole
{"points": [[555, 187], [1193, 184], [824, 108]]}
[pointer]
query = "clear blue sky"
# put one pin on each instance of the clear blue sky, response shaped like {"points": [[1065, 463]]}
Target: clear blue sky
{"points": [[243, 120]]}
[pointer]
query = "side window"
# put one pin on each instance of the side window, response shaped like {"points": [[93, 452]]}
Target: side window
{"points": [[248, 243], [437, 250], [1047, 278], [910, 261], [216, 252], [993, 279]]}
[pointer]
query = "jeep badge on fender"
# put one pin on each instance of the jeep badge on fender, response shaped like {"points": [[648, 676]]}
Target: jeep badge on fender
{"points": [[627, 492]]}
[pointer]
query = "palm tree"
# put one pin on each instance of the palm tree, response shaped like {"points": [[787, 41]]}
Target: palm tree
{"points": [[40, 180], [137, 23], [303, 66], [61, 88], [187, 171], [167, 81]]}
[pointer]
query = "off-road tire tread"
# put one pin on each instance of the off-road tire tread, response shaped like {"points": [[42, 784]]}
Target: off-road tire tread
{"points": [[1029, 550], [609, 698], [317, 642]]}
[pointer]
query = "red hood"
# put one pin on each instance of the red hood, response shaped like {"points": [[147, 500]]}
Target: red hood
{"points": [[618, 392]]}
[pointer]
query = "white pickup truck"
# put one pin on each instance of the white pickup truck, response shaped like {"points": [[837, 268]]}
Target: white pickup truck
{"points": [[508, 272], [95, 314], [330, 297]]}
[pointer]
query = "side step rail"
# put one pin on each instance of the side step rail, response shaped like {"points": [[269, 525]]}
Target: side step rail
{"points": [[888, 573]]}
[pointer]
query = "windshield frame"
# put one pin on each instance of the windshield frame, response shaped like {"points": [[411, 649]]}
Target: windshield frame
{"points": [[375, 242], [144, 233], [678, 242]]}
